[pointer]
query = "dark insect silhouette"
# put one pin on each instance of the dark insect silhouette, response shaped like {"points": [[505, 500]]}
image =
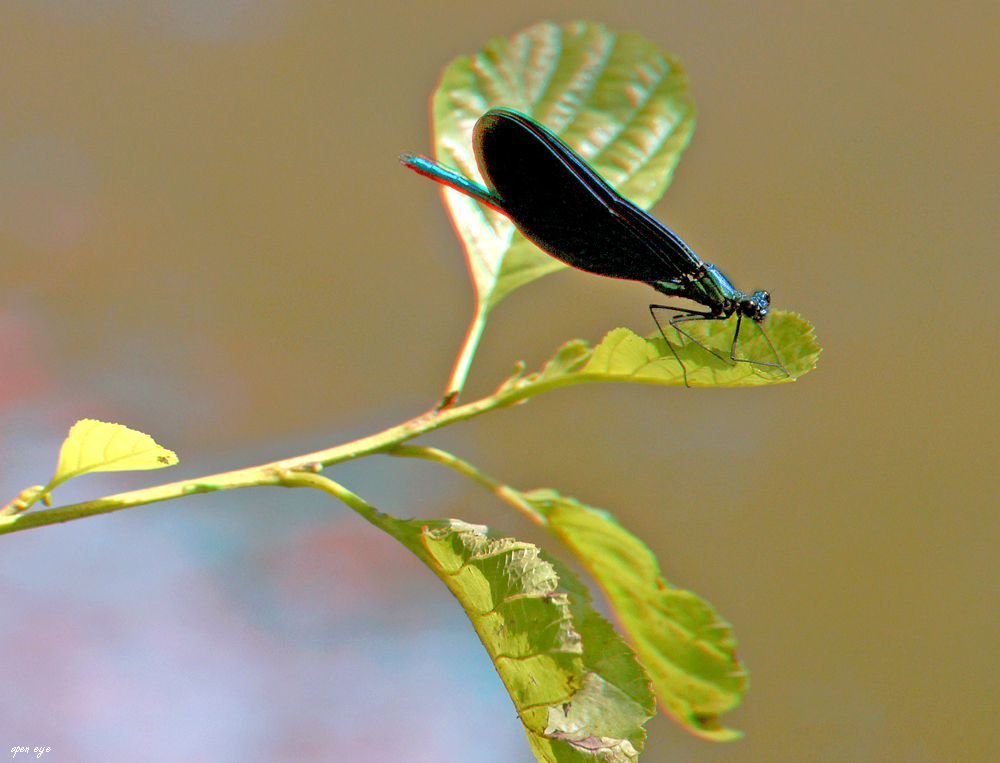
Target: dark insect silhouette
{"points": [[563, 206]]}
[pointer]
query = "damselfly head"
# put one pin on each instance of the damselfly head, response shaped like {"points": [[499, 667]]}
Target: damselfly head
{"points": [[755, 306]]}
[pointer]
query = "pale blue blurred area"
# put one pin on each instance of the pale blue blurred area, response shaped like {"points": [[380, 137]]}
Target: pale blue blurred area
{"points": [[263, 624]]}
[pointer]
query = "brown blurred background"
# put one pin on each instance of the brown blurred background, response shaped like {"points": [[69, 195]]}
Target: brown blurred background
{"points": [[205, 234]]}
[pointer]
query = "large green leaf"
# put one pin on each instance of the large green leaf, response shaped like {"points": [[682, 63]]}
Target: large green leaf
{"points": [[687, 649], [576, 685], [616, 99]]}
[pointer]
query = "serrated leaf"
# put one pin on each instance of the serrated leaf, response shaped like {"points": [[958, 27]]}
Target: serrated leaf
{"points": [[97, 446], [615, 99], [623, 356], [576, 685], [688, 650]]}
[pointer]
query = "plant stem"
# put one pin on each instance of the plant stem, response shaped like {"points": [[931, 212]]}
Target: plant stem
{"points": [[264, 474], [272, 473], [505, 492], [381, 520], [464, 360]]}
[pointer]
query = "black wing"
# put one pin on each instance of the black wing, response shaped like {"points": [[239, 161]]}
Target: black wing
{"points": [[557, 201]]}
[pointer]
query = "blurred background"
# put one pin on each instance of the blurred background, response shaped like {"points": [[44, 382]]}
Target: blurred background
{"points": [[205, 234]]}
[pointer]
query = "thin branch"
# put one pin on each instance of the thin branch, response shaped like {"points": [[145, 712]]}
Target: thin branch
{"points": [[255, 476], [463, 362], [505, 492]]}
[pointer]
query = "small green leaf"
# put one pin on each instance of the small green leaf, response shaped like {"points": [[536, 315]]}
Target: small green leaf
{"points": [[615, 99], [93, 446], [684, 645], [96, 446], [576, 685]]}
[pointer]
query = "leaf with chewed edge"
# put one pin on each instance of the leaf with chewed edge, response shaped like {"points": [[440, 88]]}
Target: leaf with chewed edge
{"points": [[688, 650], [576, 685]]}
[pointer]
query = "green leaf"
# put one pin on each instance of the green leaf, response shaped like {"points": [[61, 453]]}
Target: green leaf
{"points": [[576, 685], [684, 645], [96, 446], [615, 99], [93, 446], [623, 356]]}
